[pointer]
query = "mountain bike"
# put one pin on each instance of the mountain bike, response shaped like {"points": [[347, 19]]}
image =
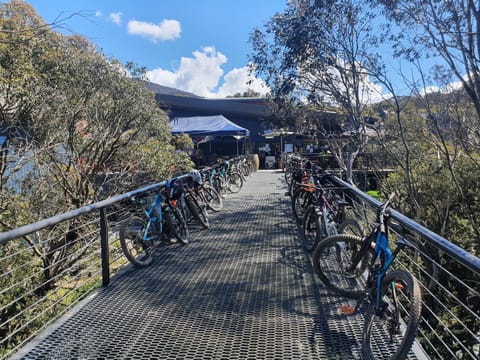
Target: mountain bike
{"points": [[292, 165], [195, 205], [361, 269], [140, 236], [211, 197], [233, 179], [217, 182], [204, 192], [246, 168], [326, 216], [300, 173]]}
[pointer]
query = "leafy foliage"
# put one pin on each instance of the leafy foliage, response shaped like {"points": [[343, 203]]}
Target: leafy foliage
{"points": [[309, 54], [79, 127]]}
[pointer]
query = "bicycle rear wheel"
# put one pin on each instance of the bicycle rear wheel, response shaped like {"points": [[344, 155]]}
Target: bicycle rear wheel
{"points": [[138, 251], [389, 332], [332, 260]]}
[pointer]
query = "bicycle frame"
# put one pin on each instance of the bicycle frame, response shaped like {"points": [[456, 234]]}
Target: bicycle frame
{"points": [[324, 209], [214, 178], [384, 256], [154, 220], [213, 173]]}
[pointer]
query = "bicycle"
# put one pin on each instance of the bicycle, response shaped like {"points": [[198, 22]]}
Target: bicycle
{"points": [[361, 269], [205, 192], [245, 167], [292, 163], [325, 217], [233, 179], [192, 205], [300, 174], [140, 236], [217, 182]]}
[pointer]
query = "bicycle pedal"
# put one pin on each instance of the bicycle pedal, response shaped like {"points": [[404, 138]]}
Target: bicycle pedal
{"points": [[347, 309]]}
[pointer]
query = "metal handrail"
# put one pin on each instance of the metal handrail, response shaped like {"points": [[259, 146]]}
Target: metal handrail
{"points": [[449, 278], [42, 224], [461, 255]]}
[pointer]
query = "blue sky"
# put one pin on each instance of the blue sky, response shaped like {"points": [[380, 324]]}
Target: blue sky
{"points": [[199, 46]]}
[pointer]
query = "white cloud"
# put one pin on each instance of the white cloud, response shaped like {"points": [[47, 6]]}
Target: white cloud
{"points": [[236, 81], [447, 89], [202, 74], [199, 75], [116, 17], [372, 93], [165, 30], [429, 90], [98, 13]]}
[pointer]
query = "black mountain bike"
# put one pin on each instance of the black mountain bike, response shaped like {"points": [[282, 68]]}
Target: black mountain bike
{"points": [[361, 269]]}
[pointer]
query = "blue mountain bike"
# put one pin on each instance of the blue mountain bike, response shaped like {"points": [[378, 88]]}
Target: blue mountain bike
{"points": [[140, 236], [361, 269]]}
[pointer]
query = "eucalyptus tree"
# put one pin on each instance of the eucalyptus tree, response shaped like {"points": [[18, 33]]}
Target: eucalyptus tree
{"points": [[447, 32], [319, 52], [76, 123]]}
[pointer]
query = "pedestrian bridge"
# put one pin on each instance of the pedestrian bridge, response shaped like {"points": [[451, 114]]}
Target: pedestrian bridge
{"points": [[243, 289]]}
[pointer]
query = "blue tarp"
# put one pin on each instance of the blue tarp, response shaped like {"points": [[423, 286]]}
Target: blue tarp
{"points": [[215, 125]]}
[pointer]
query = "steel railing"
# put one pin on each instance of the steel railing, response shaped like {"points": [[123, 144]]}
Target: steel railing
{"points": [[449, 277], [51, 265]]}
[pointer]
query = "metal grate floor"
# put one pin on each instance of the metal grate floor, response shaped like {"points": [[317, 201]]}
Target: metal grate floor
{"points": [[242, 289]]}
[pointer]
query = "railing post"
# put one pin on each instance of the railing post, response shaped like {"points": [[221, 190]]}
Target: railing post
{"points": [[104, 247]]}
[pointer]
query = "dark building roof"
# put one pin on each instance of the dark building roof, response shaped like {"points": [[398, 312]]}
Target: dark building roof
{"points": [[244, 107], [160, 89], [246, 112]]}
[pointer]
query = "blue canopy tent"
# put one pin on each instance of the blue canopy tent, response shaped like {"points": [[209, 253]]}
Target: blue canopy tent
{"points": [[208, 127], [216, 125]]}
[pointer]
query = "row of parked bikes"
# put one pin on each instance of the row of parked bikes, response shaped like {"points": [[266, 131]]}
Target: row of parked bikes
{"points": [[164, 217], [355, 259]]}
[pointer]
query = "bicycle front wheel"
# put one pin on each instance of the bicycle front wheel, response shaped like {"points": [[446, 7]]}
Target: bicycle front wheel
{"points": [[235, 182], [213, 198], [300, 201], [350, 226], [312, 228], [390, 330], [137, 250], [198, 212], [176, 225], [333, 259]]}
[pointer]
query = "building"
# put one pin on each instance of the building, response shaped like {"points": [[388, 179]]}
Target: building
{"points": [[249, 113]]}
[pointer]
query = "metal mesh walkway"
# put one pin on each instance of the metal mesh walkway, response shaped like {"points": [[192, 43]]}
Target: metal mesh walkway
{"points": [[242, 289]]}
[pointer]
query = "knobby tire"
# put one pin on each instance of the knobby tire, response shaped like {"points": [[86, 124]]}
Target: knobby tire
{"points": [[138, 251], [175, 225], [331, 259], [395, 327]]}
